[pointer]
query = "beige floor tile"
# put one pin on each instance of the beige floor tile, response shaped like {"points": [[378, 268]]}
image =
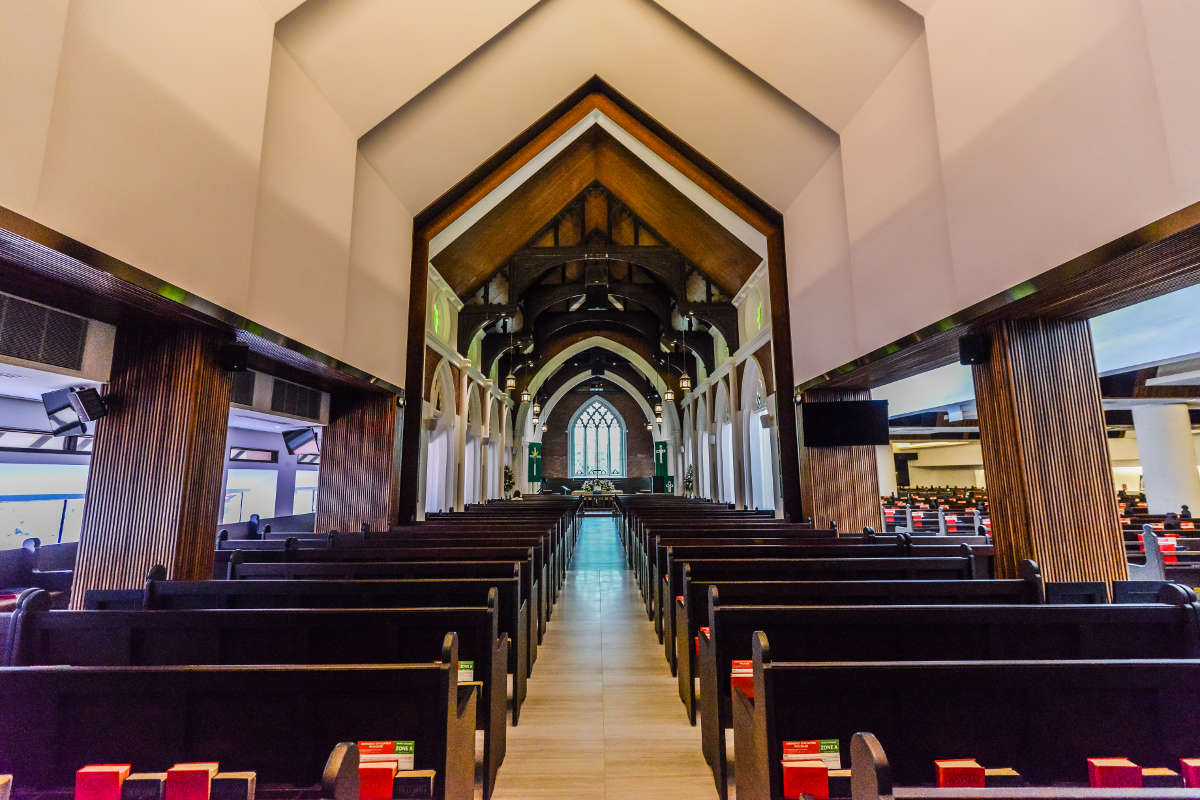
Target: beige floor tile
{"points": [[603, 720]]}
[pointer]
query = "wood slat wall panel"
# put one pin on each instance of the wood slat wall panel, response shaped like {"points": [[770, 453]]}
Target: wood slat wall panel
{"points": [[839, 483], [360, 456], [154, 487], [1045, 452]]}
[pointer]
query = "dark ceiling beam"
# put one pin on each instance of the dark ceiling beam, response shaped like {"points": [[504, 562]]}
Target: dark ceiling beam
{"points": [[722, 316], [700, 345], [528, 265], [551, 325], [495, 345], [475, 316]]}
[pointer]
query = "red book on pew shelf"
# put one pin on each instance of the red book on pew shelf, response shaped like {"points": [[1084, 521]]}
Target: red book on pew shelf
{"points": [[1114, 773], [191, 781], [402, 752], [960, 773], [375, 780], [101, 781], [1190, 767], [742, 677], [805, 777]]}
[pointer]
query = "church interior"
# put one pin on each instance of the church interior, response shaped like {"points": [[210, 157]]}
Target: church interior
{"points": [[517, 399]]}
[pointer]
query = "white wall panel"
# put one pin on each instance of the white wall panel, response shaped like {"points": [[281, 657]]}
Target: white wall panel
{"points": [[154, 141], [820, 295], [1050, 131], [33, 36], [380, 266], [903, 276], [298, 282]]}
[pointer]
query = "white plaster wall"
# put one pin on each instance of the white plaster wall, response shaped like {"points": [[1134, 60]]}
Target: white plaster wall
{"points": [[299, 276], [902, 273], [820, 295], [378, 288], [152, 150], [1051, 133], [28, 73]]}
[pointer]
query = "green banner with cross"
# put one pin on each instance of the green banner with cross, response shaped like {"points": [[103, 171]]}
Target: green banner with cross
{"points": [[660, 459]]}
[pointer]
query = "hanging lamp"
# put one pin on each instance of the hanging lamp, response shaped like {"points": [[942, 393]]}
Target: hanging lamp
{"points": [[510, 382], [685, 379]]}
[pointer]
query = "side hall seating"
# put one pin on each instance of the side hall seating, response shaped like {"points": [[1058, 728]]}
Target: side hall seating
{"points": [[279, 721], [1043, 718], [268, 636]]}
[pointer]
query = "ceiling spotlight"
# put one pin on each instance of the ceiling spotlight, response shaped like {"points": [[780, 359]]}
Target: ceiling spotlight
{"points": [[685, 382], [669, 395], [510, 382], [525, 396]]}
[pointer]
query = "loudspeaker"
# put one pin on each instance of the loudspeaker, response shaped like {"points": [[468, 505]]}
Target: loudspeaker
{"points": [[974, 348], [88, 403], [233, 356]]}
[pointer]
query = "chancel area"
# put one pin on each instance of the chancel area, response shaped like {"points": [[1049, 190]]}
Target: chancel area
{"points": [[508, 400]]}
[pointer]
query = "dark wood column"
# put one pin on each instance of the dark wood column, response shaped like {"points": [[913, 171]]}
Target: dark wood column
{"points": [[1045, 452], [154, 488], [840, 484], [360, 462]]}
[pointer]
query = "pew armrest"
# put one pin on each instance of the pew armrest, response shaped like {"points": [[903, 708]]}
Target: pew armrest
{"points": [[751, 770], [339, 780], [460, 745]]}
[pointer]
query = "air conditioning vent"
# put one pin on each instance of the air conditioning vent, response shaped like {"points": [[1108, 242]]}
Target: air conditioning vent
{"points": [[33, 332], [291, 398], [243, 388]]}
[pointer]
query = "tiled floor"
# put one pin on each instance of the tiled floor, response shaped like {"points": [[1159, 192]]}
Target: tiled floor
{"points": [[603, 717]]}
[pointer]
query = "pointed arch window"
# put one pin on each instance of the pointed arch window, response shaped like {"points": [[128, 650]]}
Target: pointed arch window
{"points": [[597, 441]]}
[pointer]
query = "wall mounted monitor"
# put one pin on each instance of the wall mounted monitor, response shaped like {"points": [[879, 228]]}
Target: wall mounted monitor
{"points": [[64, 417], [845, 422], [302, 442]]}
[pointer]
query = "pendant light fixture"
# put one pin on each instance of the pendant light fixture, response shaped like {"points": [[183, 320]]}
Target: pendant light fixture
{"points": [[510, 382], [525, 397], [537, 409], [658, 408], [685, 380]]}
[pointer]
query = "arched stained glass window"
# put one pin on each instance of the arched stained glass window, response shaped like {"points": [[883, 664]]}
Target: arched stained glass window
{"points": [[597, 441]]}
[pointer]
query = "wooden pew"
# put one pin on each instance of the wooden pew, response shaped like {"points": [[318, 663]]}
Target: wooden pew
{"points": [[928, 633], [532, 569], [675, 556], [872, 780], [278, 721], [1043, 718], [159, 595], [276, 636]]}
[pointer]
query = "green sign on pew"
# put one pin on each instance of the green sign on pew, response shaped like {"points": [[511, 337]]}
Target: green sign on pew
{"points": [[535, 462]]}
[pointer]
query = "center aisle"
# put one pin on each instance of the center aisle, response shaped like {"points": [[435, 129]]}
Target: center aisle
{"points": [[603, 717]]}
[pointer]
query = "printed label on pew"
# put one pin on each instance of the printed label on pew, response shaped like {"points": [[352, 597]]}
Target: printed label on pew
{"points": [[403, 753], [466, 670], [826, 750]]}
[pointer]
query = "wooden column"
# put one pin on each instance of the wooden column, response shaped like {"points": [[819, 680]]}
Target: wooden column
{"points": [[154, 487], [360, 462], [840, 484], [1045, 452]]}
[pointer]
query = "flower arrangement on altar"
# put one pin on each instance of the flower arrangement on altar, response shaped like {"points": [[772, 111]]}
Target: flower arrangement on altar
{"points": [[599, 485]]}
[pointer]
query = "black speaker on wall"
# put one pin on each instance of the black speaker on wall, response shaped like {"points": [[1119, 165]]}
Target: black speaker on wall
{"points": [[234, 357], [974, 348]]}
